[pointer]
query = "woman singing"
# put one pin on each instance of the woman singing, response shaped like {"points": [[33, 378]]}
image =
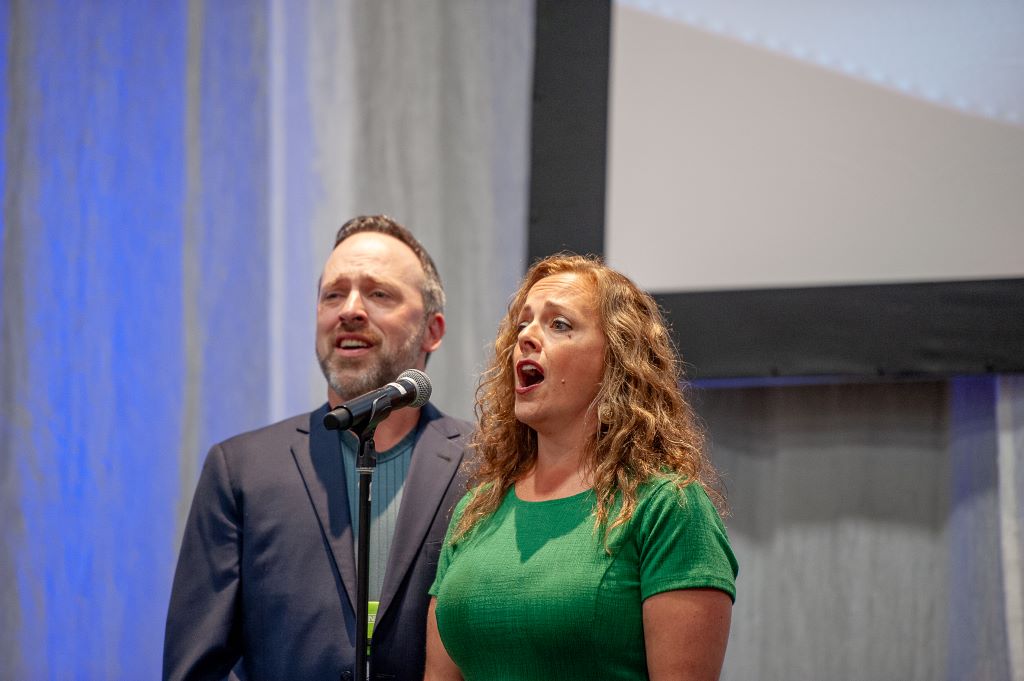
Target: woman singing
{"points": [[590, 546]]}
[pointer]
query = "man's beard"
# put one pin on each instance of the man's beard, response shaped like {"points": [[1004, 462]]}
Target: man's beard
{"points": [[375, 371]]}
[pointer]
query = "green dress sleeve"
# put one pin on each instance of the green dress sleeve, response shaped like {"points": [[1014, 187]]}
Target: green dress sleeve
{"points": [[682, 542]]}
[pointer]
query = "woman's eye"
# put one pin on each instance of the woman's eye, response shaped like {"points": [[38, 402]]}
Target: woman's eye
{"points": [[520, 326], [559, 324]]}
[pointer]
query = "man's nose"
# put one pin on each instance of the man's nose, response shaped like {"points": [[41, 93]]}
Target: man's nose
{"points": [[353, 309]]}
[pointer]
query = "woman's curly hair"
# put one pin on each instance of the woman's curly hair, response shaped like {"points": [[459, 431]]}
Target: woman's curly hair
{"points": [[645, 425]]}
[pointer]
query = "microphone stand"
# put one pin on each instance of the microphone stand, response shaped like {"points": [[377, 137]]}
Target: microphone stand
{"points": [[365, 464], [410, 386]]}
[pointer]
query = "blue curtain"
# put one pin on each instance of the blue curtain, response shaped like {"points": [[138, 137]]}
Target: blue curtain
{"points": [[133, 322], [173, 174]]}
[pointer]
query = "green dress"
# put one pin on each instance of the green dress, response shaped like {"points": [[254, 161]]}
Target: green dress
{"points": [[533, 592]]}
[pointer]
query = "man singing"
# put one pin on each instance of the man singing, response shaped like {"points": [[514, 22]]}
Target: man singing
{"points": [[266, 578]]}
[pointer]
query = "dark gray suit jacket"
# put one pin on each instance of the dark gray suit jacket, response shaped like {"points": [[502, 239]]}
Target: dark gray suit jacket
{"points": [[266, 572]]}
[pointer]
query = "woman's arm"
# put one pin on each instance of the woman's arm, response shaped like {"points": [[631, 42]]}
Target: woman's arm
{"points": [[685, 634], [439, 666]]}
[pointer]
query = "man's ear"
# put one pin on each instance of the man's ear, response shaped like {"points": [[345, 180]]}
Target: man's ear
{"points": [[434, 333]]}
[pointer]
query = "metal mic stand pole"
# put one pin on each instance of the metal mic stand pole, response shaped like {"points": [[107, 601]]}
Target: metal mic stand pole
{"points": [[365, 464]]}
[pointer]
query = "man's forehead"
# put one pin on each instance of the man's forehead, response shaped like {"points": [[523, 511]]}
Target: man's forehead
{"points": [[374, 255]]}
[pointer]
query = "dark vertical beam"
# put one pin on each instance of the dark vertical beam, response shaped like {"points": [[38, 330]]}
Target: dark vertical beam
{"points": [[570, 127]]}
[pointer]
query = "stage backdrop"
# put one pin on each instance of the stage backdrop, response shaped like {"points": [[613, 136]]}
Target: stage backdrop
{"points": [[173, 174]]}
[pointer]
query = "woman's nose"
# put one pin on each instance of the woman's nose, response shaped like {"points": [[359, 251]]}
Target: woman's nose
{"points": [[528, 340]]}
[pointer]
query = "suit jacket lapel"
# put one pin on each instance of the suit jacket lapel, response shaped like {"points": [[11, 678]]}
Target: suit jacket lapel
{"points": [[320, 464], [435, 460]]}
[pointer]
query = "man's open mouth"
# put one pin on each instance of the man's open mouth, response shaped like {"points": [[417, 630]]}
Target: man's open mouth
{"points": [[351, 343]]}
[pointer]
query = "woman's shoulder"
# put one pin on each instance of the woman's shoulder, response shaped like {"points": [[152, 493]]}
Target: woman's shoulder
{"points": [[666, 483], [669, 490], [468, 497], [473, 492]]}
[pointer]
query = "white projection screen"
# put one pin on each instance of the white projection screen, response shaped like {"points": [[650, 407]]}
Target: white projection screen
{"points": [[835, 188]]}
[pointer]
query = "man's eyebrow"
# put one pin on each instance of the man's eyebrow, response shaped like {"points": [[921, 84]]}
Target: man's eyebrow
{"points": [[327, 283], [362, 281]]}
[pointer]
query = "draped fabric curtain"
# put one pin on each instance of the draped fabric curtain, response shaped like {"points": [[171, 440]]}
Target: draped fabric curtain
{"points": [[878, 528], [173, 175], [415, 109]]}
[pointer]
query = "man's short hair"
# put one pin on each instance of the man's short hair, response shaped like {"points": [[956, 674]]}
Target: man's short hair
{"points": [[433, 291]]}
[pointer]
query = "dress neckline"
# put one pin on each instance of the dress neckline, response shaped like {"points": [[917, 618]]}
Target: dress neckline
{"points": [[555, 501]]}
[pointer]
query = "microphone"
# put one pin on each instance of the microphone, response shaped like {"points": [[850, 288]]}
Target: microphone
{"points": [[410, 389]]}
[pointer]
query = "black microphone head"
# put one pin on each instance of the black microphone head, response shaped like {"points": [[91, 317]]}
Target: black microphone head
{"points": [[421, 383]]}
